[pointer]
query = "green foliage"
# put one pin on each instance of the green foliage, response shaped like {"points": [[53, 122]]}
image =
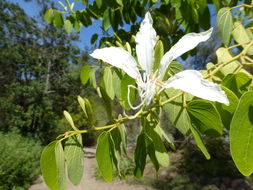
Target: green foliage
{"points": [[225, 24], [241, 131], [19, 161], [103, 156], [193, 117]]}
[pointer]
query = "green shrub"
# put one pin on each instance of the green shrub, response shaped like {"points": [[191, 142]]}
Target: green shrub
{"points": [[19, 161]]}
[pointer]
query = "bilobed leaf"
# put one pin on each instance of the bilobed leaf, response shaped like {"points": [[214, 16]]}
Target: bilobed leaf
{"points": [[224, 55], [140, 155], [161, 153], [205, 117], [238, 83], [108, 83], [115, 151], [199, 142], [85, 74], [163, 135], [49, 14], [241, 36], [241, 134], [74, 155], [48, 166], [225, 24], [226, 112], [103, 156], [151, 152], [125, 82], [58, 19], [177, 113], [116, 84], [175, 67], [61, 169]]}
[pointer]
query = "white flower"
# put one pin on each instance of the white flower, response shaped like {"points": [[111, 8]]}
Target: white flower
{"points": [[190, 81]]}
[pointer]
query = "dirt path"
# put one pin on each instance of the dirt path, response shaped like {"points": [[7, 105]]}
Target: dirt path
{"points": [[88, 182]]}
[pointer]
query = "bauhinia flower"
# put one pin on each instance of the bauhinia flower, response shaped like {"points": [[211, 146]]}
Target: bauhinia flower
{"points": [[149, 82]]}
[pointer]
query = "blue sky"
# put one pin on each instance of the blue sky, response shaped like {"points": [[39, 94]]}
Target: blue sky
{"points": [[32, 9]]}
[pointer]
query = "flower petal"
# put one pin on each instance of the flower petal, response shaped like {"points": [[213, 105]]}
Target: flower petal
{"points": [[118, 57], [186, 43], [146, 40], [191, 81]]}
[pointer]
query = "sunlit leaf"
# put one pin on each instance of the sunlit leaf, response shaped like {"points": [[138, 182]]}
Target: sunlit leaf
{"points": [[241, 134], [103, 156], [74, 155], [205, 117], [225, 24]]}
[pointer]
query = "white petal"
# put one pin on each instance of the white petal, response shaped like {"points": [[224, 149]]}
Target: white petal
{"points": [[186, 43], [146, 40], [118, 57], [191, 81]]}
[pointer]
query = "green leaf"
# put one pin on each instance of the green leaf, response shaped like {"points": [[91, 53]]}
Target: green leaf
{"points": [[125, 82], [177, 113], [106, 19], [85, 74], [199, 142], [77, 25], [74, 155], [159, 51], [107, 104], [58, 19], [68, 26], [89, 111], [164, 136], [225, 24], [175, 67], [241, 134], [161, 153], [151, 152], [70, 120], [224, 55], [120, 2], [60, 163], [205, 117], [48, 166], [108, 83], [53, 166], [103, 156], [140, 155], [241, 36], [116, 84], [92, 77], [238, 83], [82, 104], [49, 14], [99, 3], [94, 38], [227, 112], [115, 151]]}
